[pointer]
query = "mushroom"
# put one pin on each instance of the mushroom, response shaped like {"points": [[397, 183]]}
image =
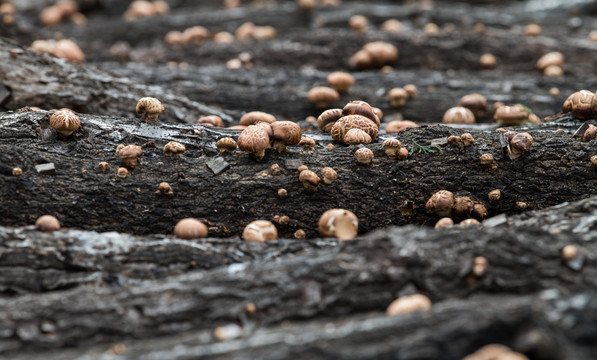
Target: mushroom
{"points": [[553, 70], [358, 23], [377, 111], [458, 115], [381, 53], [274, 169], [226, 144], [17, 171], [511, 115], [260, 230], [440, 203], [552, 58], [282, 193], [463, 207], [346, 123], [281, 220], [486, 159], [356, 137], [360, 60], [408, 304], [494, 195], [189, 228], [122, 173], [495, 352], [285, 133], [65, 122], [402, 154], [47, 223], [195, 35], [364, 156], [582, 104], [339, 223], [150, 107], [329, 175], [165, 189], [358, 107], [341, 81], [569, 252], [309, 179], [453, 139], [395, 126], [211, 120], [302, 168], [590, 133], [479, 211], [411, 90], [391, 147], [593, 160], [467, 139], [326, 120], [431, 29], [307, 143], [254, 140], [397, 97], [444, 222], [475, 103], [322, 96], [103, 166], [300, 234], [174, 148], [532, 30], [392, 26], [129, 154], [487, 61], [254, 117], [520, 144], [479, 266]]}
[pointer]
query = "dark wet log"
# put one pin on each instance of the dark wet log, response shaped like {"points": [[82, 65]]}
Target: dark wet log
{"points": [[315, 279]]}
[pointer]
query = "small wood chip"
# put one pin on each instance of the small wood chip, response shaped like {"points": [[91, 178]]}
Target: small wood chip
{"points": [[46, 169], [218, 165]]}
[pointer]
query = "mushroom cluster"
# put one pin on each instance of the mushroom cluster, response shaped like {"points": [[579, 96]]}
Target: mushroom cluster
{"points": [[262, 131], [61, 11], [517, 143], [515, 115], [394, 150], [374, 55], [355, 124], [141, 9], [398, 96], [445, 204], [63, 48], [192, 35]]}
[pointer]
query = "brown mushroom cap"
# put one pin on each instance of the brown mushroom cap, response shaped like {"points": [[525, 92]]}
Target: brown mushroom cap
{"points": [[129, 154], [391, 147], [408, 304], [346, 123], [392, 26], [381, 52], [463, 207], [411, 90], [307, 143], [356, 137], [340, 80], [195, 35], [358, 107], [190, 228], [65, 122], [551, 58], [364, 156], [458, 115], [285, 133], [174, 148], [468, 222], [47, 223], [444, 222], [467, 139], [68, 49], [322, 96], [326, 120], [150, 107], [511, 115], [254, 117], [440, 203], [397, 97], [260, 230], [395, 126], [582, 104], [309, 179], [122, 173], [521, 143], [211, 120], [532, 30], [339, 223], [486, 159], [475, 103], [254, 139], [226, 144], [329, 175], [487, 61], [358, 23], [360, 60], [590, 133]]}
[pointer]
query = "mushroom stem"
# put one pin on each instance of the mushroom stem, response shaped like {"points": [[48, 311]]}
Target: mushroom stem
{"points": [[279, 146], [259, 154], [130, 162]]}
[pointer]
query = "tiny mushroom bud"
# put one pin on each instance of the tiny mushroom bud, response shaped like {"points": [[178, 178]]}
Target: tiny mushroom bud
{"points": [[397, 97], [453, 139], [463, 207], [307, 143], [165, 189], [479, 266], [391, 147], [356, 136], [593, 160], [285, 133], [392, 26], [211, 120], [408, 304], [255, 117], [358, 23], [440, 203], [226, 144], [569, 252], [274, 169], [174, 148], [322, 96], [553, 58], [521, 205], [254, 140], [329, 175], [520, 144], [282, 193], [590, 134], [494, 195], [468, 222], [402, 154], [395, 126], [260, 230], [302, 168], [150, 107], [300, 234], [129, 154], [467, 139], [487, 61], [282, 220], [458, 115], [47, 223], [339, 223], [553, 70], [190, 228], [326, 120], [309, 179], [364, 156], [381, 53], [475, 103], [444, 222], [17, 171], [340, 80], [532, 30], [479, 211], [65, 122], [122, 173], [69, 50], [486, 159], [103, 166], [411, 90]]}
